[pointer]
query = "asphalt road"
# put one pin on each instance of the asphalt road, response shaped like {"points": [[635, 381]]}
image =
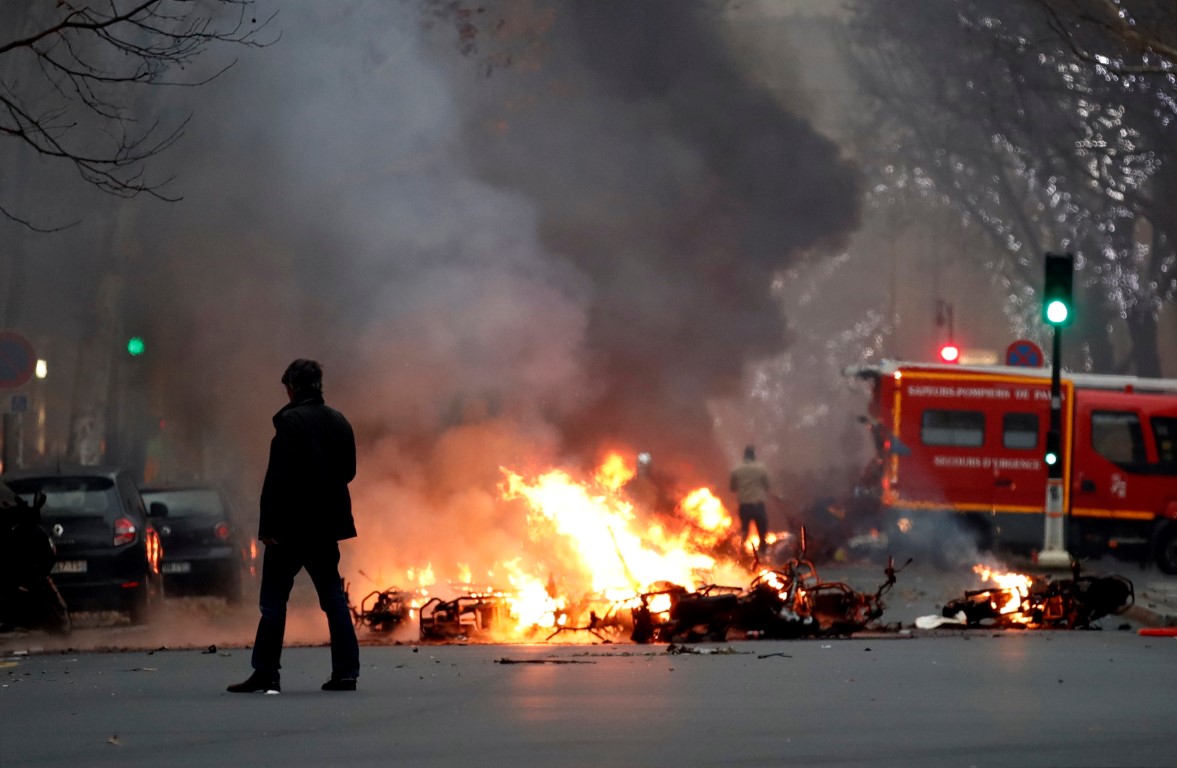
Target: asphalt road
{"points": [[906, 697], [979, 698]]}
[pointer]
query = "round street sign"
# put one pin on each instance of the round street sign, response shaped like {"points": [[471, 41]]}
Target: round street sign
{"points": [[17, 360], [1024, 352]]}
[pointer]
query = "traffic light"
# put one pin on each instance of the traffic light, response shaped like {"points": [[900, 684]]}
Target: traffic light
{"points": [[1056, 292], [1052, 448], [949, 353], [135, 346]]}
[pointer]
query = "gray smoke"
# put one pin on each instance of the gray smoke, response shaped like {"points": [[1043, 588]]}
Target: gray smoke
{"points": [[513, 238]]}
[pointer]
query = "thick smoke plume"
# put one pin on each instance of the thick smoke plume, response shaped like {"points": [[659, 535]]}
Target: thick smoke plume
{"points": [[515, 234]]}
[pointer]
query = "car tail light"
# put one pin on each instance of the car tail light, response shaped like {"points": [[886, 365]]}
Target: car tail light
{"points": [[221, 531], [124, 531]]}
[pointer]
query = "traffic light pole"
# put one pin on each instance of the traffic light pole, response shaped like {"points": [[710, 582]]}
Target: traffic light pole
{"points": [[1054, 553]]}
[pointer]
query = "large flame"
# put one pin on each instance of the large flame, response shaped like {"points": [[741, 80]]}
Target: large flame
{"points": [[593, 546], [603, 546], [615, 552]]}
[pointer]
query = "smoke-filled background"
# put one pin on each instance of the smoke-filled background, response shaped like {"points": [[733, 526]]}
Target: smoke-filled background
{"points": [[514, 235], [519, 234]]}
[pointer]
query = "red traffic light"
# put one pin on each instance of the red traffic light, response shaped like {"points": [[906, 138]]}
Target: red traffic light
{"points": [[949, 353]]}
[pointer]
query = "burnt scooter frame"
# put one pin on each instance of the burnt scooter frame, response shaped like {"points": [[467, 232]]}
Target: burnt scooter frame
{"points": [[471, 616], [382, 611], [785, 603], [1072, 603]]}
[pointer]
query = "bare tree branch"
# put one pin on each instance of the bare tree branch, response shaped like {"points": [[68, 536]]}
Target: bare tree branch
{"points": [[27, 224], [1107, 32], [68, 80]]}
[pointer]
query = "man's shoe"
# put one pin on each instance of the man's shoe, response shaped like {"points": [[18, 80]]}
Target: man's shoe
{"points": [[340, 684], [257, 683]]}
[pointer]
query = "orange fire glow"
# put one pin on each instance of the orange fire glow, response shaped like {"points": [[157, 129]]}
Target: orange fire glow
{"points": [[1010, 597], [707, 513], [583, 545], [601, 545]]}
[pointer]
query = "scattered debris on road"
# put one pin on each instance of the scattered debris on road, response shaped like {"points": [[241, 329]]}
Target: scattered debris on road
{"points": [[542, 661]]}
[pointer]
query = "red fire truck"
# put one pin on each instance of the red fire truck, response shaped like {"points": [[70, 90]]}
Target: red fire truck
{"points": [[970, 441]]}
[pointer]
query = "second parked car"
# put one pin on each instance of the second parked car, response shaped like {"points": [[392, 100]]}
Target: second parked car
{"points": [[204, 552]]}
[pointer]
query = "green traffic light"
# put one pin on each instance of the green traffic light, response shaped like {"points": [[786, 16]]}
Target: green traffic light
{"points": [[135, 346], [1057, 289], [1051, 458], [1057, 312]]}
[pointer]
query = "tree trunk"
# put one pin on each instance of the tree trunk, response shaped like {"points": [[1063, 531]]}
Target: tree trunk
{"points": [[1142, 327], [1093, 317]]}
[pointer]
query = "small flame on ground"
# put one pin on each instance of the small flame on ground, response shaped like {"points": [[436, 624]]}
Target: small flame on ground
{"points": [[1015, 587]]}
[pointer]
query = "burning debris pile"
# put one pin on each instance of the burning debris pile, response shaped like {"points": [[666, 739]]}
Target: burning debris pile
{"points": [[615, 569], [787, 603], [790, 602], [1021, 601]]}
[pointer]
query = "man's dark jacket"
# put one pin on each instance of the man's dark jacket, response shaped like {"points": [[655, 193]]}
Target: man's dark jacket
{"points": [[312, 459]]}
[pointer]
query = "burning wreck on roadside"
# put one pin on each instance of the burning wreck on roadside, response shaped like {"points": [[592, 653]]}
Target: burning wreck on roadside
{"points": [[383, 610], [600, 568], [1022, 601], [790, 602]]}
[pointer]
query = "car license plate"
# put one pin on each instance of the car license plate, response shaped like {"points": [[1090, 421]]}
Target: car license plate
{"points": [[180, 567], [69, 566]]}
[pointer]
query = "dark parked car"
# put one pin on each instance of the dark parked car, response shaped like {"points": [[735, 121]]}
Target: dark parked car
{"points": [[204, 551], [108, 553]]}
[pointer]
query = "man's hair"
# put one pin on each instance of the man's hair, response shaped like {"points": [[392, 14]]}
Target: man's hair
{"points": [[750, 453], [304, 376]]}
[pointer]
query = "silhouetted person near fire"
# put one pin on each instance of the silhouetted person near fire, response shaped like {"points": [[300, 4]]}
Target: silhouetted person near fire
{"points": [[305, 513], [749, 481]]}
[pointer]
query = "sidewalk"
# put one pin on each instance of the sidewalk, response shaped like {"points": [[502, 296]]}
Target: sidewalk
{"points": [[1156, 601]]}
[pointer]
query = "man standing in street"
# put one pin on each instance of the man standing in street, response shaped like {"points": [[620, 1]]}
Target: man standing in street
{"points": [[750, 483], [305, 513]]}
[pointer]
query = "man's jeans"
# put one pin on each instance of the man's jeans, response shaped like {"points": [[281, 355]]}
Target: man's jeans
{"points": [[754, 513], [281, 564]]}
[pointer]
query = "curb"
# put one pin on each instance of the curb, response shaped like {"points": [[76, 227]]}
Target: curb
{"points": [[1152, 615]]}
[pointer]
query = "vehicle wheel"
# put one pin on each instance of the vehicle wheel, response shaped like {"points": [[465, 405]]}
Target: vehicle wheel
{"points": [[1166, 548]]}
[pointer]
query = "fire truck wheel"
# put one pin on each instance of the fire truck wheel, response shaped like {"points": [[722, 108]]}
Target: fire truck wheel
{"points": [[1166, 548]]}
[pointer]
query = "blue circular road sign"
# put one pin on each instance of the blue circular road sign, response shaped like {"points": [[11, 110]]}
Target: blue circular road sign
{"points": [[1025, 353], [17, 360]]}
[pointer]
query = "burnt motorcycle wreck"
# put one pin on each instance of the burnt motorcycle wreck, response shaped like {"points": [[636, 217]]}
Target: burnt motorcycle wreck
{"points": [[790, 602], [1041, 603], [382, 610], [471, 616], [28, 597]]}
